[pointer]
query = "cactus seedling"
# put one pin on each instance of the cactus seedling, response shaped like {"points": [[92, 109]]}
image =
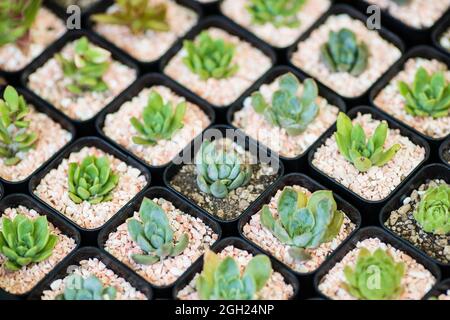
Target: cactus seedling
{"points": [[78, 288], [280, 13]]}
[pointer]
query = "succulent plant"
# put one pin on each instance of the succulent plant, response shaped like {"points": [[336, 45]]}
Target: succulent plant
{"points": [[433, 213], [402, 2], [78, 288], [16, 19], [287, 110], [429, 95], [280, 13], [138, 15], [220, 171], [154, 235], [210, 58], [24, 241], [161, 121], [15, 136], [375, 277], [87, 67], [363, 153], [303, 222], [221, 279], [343, 53], [92, 180]]}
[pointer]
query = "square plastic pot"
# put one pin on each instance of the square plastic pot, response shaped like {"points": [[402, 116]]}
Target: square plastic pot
{"points": [[445, 147], [62, 10], [440, 288], [438, 32]]}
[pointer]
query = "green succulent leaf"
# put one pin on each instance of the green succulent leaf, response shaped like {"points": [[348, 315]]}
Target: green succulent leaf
{"points": [[91, 288], [280, 13]]}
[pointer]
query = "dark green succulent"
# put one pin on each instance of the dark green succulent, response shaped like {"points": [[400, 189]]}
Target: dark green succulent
{"points": [[303, 222], [428, 96], [161, 120], [433, 213], [220, 171], [87, 67], [343, 53], [210, 58], [287, 109], [78, 288], [280, 13], [154, 235], [363, 153], [375, 277], [15, 135], [138, 15], [92, 180], [222, 279], [24, 241]]}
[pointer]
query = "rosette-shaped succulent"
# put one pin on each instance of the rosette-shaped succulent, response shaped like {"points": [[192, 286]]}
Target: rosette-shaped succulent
{"points": [[303, 222], [428, 96], [375, 277], [222, 279], [433, 213], [343, 53], [91, 288], [87, 67], [138, 15], [210, 58], [92, 180], [160, 120], [14, 134], [287, 109], [24, 241], [220, 171], [280, 13], [357, 149], [154, 235]]}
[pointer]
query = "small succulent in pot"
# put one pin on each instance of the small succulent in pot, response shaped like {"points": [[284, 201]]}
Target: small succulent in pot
{"points": [[357, 149], [287, 110], [433, 213], [15, 136], [160, 120], [280, 13], [343, 53], [429, 95], [220, 171], [303, 222], [92, 180], [91, 288], [222, 279], [376, 276], [209, 57], [154, 235], [24, 241]]}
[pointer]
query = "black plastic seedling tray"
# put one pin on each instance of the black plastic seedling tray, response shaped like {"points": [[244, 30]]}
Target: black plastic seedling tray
{"points": [[438, 32], [89, 236], [239, 243], [148, 81], [62, 10], [445, 147], [369, 208], [179, 203], [15, 200], [308, 183], [374, 232], [91, 253], [299, 162], [440, 288]]}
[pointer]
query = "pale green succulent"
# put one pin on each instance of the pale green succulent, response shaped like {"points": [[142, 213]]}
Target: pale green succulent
{"points": [[91, 288], [433, 213], [280, 13]]}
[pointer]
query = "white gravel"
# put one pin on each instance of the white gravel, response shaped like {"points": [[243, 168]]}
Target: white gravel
{"points": [[445, 40], [444, 296]]}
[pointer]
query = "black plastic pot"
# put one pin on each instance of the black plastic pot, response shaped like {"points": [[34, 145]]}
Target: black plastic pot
{"points": [[440, 288], [84, 127], [233, 29], [22, 185], [355, 14], [369, 208], [430, 172], [148, 81], [210, 8], [445, 147], [373, 232], [62, 10], [417, 52], [299, 162], [178, 202], [13, 201], [438, 32], [89, 236], [243, 245], [91, 253], [308, 183], [228, 226], [151, 66]]}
